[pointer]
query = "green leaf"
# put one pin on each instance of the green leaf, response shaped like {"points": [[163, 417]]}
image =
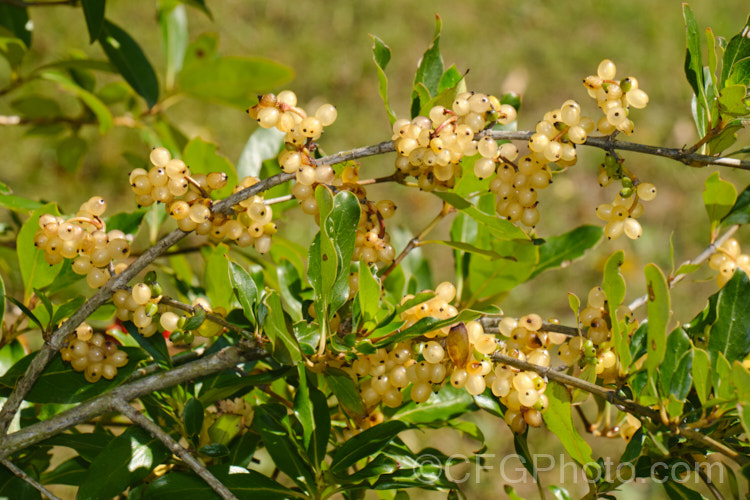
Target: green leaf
{"points": [[701, 374], [71, 472], [246, 484], [93, 11], [126, 461], [675, 371], [346, 392], [127, 222], [428, 324], [730, 334], [100, 110], [202, 158], [286, 349], [561, 250], [228, 384], [718, 197], [659, 309], [35, 271], [430, 69], [737, 49], [365, 444], [155, 345], [245, 289], [66, 310], [693, 57], [263, 144], [732, 101], [215, 449], [36, 107], [59, 384], [2, 300], [499, 228], [740, 211], [290, 288], [321, 427], [634, 447], [613, 286], [16, 20], [381, 54], [272, 423], [559, 493], [215, 276], [369, 296], [232, 81], [559, 420], [87, 445], [130, 61], [193, 416], [303, 408], [490, 278], [174, 34], [70, 153], [12, 48], [18, 204], [442, 407], [678, 491]]}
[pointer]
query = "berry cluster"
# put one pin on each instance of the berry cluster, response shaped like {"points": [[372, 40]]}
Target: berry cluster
{"points": [[595, 347], [621, 214], [556, 136], [95, 354], [520, 391], [372, 242], [614, 98], [85, 239], [431, 148], [727, 259], [141, 305], [516, 188]]}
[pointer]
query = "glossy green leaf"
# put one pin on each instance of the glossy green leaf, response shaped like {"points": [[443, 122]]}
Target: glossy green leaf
{"points": [[16, 488], [246, 484], [66, 309], [154, 345], [26, 311], [740, 211], [341, 228], [346, 392], [634, 447], [678, 491], [125, 461], [272, 423], [732, 100], [290, 286], [701, 374], [263, 144], [35, 271], [222, 431], [693, 56], [100, 110], [228, 384], [381, 54], [303, 408], [59, 384], [215, 450], [130, 61], [87, 445], [245, 289], [737, 49], [490, 278], [2, 299], [232, 81], [71, 472], [721, 371], [174, 34], [443, 406], [286, 349], [127, 222], [215, 276], [93, 11], [730, 334], [659, 310], [202, 158], [719, 197], [561, 250], [193, 416], [16, 19], [559, 420], [675, 371], [430, 70], [321, 427], [196, 320], [613, 286], [368, 443], [427, 324], [369, 296]]}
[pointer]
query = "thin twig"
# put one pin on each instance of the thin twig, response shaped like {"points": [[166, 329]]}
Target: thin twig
{"points": [[414, 242], [159, 433], [48, 350], [489, 324], [709, 484], [621, 403], [209, 316], [225, 359], [18, 472], [702, 257]]}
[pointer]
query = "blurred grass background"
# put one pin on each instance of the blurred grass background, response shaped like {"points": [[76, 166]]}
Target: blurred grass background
{"points": [[539, 49]]}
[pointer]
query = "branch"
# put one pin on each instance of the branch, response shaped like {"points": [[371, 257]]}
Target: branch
{"points": [[105, 293], [33, 482], [702, 257], [157, 432], [489, 324], [621, 403], [209, 316], [227, 358]]}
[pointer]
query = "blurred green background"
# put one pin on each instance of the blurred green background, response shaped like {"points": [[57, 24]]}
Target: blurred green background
{"points": [[540, 49]]}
